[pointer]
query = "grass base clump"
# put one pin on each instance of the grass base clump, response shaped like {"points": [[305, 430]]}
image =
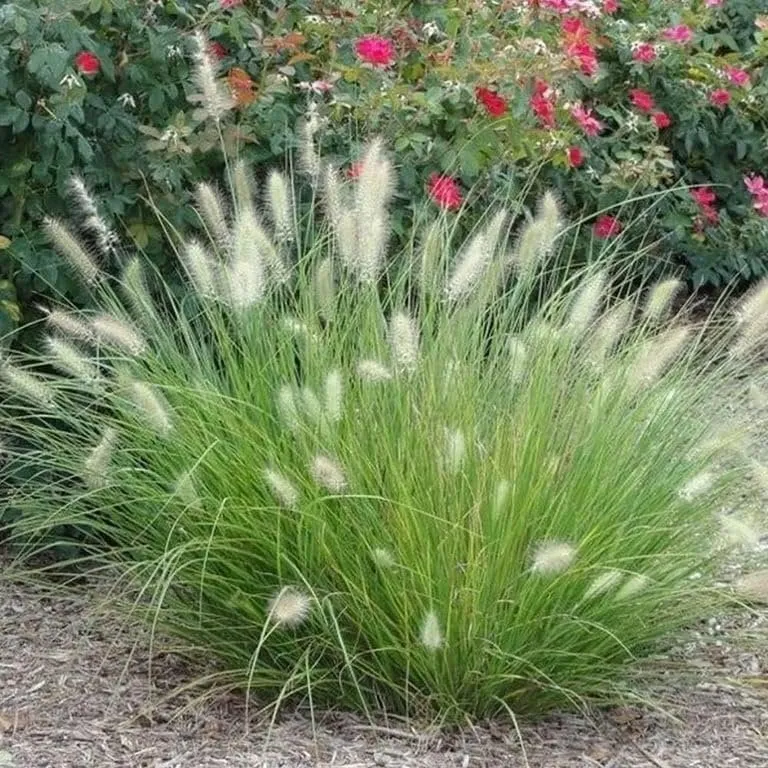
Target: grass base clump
{"points": [[447, 487]]}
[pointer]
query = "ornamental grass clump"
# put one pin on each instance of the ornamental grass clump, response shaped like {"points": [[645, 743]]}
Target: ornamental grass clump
{"points": [[448, 487]]}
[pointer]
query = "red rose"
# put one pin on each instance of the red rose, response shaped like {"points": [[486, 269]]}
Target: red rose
{"points": [[606, 226], [610, 6], [226, 4], [661, 119], [445, 191], [217, 50], [584, 117], [680, 34], [494, 104], [737, 76], [87, 63], [642, 99], [645, 53], [376, 50], [575, 156], [720, 98]]}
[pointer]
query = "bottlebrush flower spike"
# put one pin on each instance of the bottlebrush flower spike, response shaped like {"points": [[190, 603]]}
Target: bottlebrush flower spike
{"points": [[289, 607]]}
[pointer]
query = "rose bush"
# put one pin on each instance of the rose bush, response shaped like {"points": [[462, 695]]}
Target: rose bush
{"points": [[599, 99]]}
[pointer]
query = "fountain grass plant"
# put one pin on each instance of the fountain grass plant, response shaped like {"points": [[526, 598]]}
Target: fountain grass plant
{"points": [[451, 485]]}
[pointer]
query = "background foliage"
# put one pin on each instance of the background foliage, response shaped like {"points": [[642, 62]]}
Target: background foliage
{"points": [[131, 126]]}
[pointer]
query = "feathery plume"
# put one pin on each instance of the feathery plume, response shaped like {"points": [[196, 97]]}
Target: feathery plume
{"points": [[738, 533], [311, 406], [404, 343], [282, 489], [501, 496], [608, 331], [270, 256], [334, 396], [309, 159], [605, 582], [243, 186], [27, 385], [69, 359], [454, 451], [383, 558], [212, 211], [656, 355], [633, 586], [325, 289], [184, 488], [697, 486], [431, 263], [201, 270], [72, 250], [752, 319], [289, 607], [660, 298], [104, 237], [431, 636], [280, 198], [295, 327], [586, 303], [470, 269], [245, 274], [538, 236], [552, 557], [69, 324], [518, 357], [373, 192], [373, 371], [152, 405], [328, 474], [287, 407], [121, 334], [135, 288], [96, 467], [216, 100]]}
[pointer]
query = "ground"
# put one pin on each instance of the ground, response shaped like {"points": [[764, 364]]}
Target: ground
{"points": [[76, 693]]}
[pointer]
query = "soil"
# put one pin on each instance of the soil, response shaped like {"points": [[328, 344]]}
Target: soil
{"points": [[75, 692]]}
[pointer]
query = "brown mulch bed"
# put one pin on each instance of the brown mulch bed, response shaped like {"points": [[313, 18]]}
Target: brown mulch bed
{"points": [[76, 693]]}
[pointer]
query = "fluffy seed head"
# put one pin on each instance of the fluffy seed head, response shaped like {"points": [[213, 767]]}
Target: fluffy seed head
{"points": [[325, 289], [334, 396], [184, 488], [383, 558], [373, 371], [697, 486], [328, 474], [634, 585], [268, 252], [287, 407], [608, 331], [404, 343], [310, 404], [69, 359], [246, 279], [92, 221], [605, 582], [213, 212], [501, 496], [660, 299], [201, 269], [586, 303], [538, 237], [120, 334], [69, 324], [27, 385], [518, 357], [431, 636], [752, 319], [282, 489], [738, 533], [552, 557], [215, 99], [470, 269], [243, 186], [72, 250], [289, 607], [454, 451], [135, 288], [280, 198], [657, 355], [96, 467], [152, 406], [309, 159]]}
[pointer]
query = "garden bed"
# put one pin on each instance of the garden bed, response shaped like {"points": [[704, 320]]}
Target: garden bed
{"points": [[75, 692]]}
